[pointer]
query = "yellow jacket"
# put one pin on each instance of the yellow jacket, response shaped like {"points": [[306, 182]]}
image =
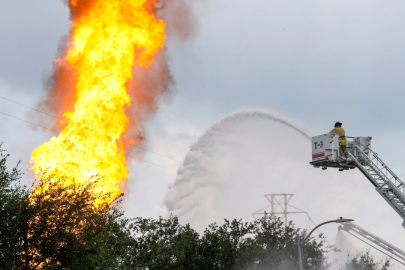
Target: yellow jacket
{"points": [[341, 132]]}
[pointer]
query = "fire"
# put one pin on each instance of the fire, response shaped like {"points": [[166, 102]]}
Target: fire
{"points": [[107, 39]]}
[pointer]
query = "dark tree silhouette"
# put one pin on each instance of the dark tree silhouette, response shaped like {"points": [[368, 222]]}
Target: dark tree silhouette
{"points": [[263, 244], [64, 227], [365, 261], [67, 230], [13, 216]]}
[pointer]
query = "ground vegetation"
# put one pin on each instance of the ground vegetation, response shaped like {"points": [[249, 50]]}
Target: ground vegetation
{"points": [[13, 212], [59, 227], [365, 261]]}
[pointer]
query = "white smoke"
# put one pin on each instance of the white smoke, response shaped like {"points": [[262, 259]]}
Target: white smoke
{"points": [[250, 153]]}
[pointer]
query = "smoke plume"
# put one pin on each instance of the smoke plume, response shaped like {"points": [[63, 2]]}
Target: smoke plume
{"points": [[151, 85], [110, 77]]}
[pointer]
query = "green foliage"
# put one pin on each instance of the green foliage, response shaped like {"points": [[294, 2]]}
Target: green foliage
{"points": [[277, 247], [162, 244], [13, 204], [365, 261], [228, 246], [263, 244], [58, 227], [66, 231]]}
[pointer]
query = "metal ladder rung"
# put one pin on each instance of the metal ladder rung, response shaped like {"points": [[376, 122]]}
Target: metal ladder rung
{"points": [[382, 178]]}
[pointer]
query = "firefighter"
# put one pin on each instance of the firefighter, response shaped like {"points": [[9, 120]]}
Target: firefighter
{"points": [[342, 137]]}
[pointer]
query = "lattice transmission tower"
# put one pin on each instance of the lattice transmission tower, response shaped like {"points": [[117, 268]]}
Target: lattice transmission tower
{"points": [[279, 207]]}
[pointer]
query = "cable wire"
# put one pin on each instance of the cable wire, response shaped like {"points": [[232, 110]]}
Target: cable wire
{"points": [[30, 108], [157, 153], [29, 122], [62, 119], [58, 133]]}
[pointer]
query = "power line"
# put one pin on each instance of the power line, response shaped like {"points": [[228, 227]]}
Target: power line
{"points": [[30, 108], [156, 153], [62, 119], [58, 133], [29, 122], [152, 163]]}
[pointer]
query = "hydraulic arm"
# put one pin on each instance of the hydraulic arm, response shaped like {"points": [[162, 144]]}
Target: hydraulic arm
{"points": [[352, 228], [325, 153]]}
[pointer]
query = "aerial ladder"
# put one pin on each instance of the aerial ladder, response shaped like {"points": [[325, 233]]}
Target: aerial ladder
{"points": [[354, 230], [325, 154]]}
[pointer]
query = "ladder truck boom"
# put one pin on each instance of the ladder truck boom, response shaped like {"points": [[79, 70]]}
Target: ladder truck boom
{"points": [[325, 153], [350, 227]]}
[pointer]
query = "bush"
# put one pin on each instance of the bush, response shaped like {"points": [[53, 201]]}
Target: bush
{"points": [[364, 261]]}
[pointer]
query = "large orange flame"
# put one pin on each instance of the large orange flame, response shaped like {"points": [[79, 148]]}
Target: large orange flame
{"points": [[108, 38]]}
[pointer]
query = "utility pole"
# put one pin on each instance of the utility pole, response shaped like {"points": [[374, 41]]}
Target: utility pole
{"points": [[299, 252]]}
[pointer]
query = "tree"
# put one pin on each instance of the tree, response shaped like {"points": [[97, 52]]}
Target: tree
{"points": [[162, 244], [263, 244], [13, 205], [365, 261], [67, 230], [63, 227], [276, 247], [228, 246]]}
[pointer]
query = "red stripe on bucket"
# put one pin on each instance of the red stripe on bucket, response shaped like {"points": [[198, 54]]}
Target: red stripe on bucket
{"points": [[318, 155]]}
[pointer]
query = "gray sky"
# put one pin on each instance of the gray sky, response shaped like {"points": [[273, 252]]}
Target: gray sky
{"points": [[313, 61]]}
